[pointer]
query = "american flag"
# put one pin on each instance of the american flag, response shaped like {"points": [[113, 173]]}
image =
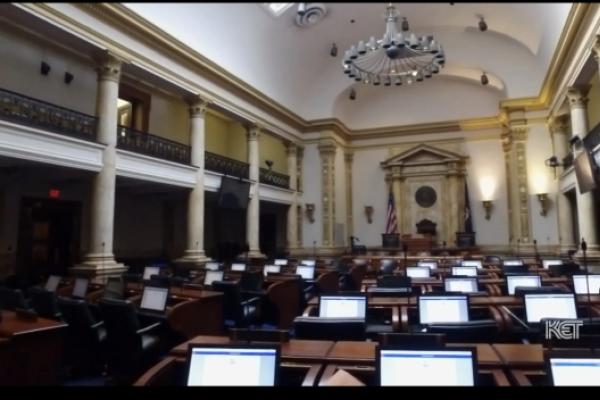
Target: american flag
{"points": [[392, 224]]}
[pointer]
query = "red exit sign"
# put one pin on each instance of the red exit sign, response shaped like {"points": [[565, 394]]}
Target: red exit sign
{"points": [[54, 193]]}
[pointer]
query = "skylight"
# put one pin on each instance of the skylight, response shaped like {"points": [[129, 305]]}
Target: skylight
{"points": [[277, 8]]}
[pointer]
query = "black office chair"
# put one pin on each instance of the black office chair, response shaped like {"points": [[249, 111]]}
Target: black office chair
{"points": [[131, 348], [413, 340], [394, 281], [11, 299], [319, 328], [114, 289], [251, 284], [130, 277], [387, 267], [259, 335], [477, 331], [86, 337], [521, 291], [44, 303], [237, 312], [569, 269], [514, 269]]}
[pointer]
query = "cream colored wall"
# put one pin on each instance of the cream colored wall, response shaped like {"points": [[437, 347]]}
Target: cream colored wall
{"points": [[593, 105], [225, 137], [169, 118], [272, 148]]}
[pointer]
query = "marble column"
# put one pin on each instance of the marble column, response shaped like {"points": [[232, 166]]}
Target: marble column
{"points": [[99, 261], [586, 211], [348, 159], [194, 252], [253, 211], [292, 214], [327, 149]]}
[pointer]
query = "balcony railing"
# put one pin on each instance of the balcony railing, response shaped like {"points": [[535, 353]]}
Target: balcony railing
{"points": [[150, 145], [225, 165], [274, 178], [15, 107]]}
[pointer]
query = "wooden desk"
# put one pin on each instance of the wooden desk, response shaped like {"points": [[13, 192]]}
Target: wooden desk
{"points": [[520, 355], [294, 350], [32, 349]]}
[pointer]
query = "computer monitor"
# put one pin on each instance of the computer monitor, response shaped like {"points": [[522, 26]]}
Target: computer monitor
{"points": [[212, 276], [428, 264], [418, 272], [464, 271], [52, 283], [233, 365], [402, 367], [571, 371], [512, 262], [581, 285], [461, 284], [280, 261], [439, 309], [80, 288], [547, 263], [211, 266], [471, 263], [308, 262], [549, 305], [238, 267], [513, 281], [343, 306], [154, 298], [271, 269], [306, 271], [149, 271]]}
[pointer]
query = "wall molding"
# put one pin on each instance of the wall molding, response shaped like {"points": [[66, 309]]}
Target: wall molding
{"points": [[150, 169]]}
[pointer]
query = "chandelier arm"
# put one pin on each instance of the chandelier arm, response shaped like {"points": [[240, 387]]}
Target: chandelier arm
{"points": [[373, 65]]}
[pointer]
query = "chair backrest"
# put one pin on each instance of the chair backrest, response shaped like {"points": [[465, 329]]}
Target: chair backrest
{"points": [[485, 331], [413, 340], [252, 281], [492, 260], [328, 282], [318, 328], [121, 321], [114, 289], [285, 295], [78, 315], [11, 299], [259, 335], [44, 302], [569, 269], [232, 299], [387, 267], [357, 273], [523, 290], [515, 269], [394, 281]]}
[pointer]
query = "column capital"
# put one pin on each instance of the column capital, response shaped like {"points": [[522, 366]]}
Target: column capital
{"points": [[577, 96], [291, 149], [327, 146], [596, 48], [198, 106], [559, 124], [348, 156], [300, 151], [254, 129], [109, 67]]}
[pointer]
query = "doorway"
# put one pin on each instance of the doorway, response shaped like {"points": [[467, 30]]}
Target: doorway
{"points": [[48, 239]]}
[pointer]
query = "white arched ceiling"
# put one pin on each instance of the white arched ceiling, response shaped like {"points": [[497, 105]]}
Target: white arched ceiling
{"points": [[292, 65]]}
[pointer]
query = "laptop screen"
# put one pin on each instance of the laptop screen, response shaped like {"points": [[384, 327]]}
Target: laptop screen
{"points": [[211, 266], [547, 263], [512, 263], [226, 366], [581, 285], [342, 306], [426, 367], [154, 298], [464, 271], [149, 271], [271, 269], [428, 264], [52, 283], [513, 281], [280, 261], [308, 262], [238, 267], [212, 276], [418, 272], [464, 285], [80, 288], [443, 309], [306, 271], [575, 371], [471, 263], [547, 305]]}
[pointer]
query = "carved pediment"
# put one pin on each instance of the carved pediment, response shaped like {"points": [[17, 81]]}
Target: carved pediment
{"points": [[423, 155]]}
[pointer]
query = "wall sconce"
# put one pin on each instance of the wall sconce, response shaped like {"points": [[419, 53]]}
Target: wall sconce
{"points": [[310, 212], [369, 213], [543, 199], [45, 68], [487, 205], [68, 77], [269, 164]]}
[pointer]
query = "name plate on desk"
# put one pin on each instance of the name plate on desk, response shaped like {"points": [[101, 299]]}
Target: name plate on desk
{"points": [[390, 240]]}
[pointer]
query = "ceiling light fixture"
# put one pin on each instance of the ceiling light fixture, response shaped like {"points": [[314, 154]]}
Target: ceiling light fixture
{"points": [[396, 57]]}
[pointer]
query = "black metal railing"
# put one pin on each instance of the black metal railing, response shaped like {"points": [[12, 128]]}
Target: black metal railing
{"points": [[568, 160], [15, 107], [151, 145], [274, 178], [225, 165]]}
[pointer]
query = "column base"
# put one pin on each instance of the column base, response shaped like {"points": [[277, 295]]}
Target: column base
{"points": [[193, 259], [256, 254], [592, 258], [295, 251], [98, 268]]}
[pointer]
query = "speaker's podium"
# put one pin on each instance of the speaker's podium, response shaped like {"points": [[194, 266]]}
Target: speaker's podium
{"points": [[390, 240]]}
